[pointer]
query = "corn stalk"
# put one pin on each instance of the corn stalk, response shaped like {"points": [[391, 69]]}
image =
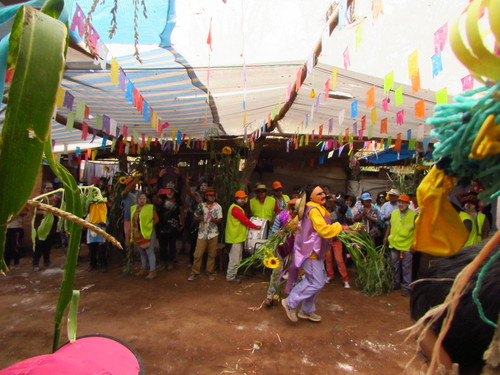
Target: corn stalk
{"points": [[375, 275]]}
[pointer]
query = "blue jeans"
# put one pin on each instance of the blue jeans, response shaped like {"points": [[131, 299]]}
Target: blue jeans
{"points": [[148, 258], [402, 264]]}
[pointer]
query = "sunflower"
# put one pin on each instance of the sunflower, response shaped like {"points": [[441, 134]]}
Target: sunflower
{"points": [[226, 150], [122, 179], [267, 252], [271, 262]]}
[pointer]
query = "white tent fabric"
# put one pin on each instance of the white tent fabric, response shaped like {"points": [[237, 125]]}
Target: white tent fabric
{"points": [[233, 85]]}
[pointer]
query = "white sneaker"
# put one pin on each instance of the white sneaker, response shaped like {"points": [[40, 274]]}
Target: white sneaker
{"points": [[346, 285]]}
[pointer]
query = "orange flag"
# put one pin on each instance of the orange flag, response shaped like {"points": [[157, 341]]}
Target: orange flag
{"points": [[420, 109]]}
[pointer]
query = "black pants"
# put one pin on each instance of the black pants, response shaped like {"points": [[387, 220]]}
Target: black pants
{"points": [[12, 243], [167, 244], [97, 254], [42, 248]]}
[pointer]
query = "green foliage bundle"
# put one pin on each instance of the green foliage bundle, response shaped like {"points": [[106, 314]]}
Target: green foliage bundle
{"points": [[375, 275]]}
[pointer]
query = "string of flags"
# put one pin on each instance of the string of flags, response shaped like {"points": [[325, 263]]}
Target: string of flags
{"points": [[297, 141], [358, 128]]}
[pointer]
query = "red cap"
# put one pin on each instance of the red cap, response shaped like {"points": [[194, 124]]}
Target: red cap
{"points": [[277, 185], [404, 198], [240, 194]]}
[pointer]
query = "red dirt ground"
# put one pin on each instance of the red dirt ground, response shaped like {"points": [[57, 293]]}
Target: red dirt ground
{"points": [[208, 327]]}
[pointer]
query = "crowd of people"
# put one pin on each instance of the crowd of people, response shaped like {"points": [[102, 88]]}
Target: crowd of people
{"points": [[156, 219]]}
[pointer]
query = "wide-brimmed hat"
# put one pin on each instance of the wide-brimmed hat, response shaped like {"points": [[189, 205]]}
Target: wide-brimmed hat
{"points": [[260, 187], [404, 198], [394, 192], [366, 197], [300, 205], [277, 185], [240, 194]]}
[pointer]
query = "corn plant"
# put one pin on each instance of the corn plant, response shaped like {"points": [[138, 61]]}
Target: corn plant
{"points": [[375, 275], [37, 50]]}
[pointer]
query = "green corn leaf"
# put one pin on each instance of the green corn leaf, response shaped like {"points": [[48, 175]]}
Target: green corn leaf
{"points": [[37, 53], [72, 315], [73, 205]]}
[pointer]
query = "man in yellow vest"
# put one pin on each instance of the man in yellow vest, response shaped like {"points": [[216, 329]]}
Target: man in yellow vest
{"points": [[262, 205], [399, 236], [476, 222], [236, 233]]}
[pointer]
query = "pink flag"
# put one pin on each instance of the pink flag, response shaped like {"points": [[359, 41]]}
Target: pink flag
{"points": [[385, 104], [347, 60], [467, 82], [440, 37], [400, 117]]}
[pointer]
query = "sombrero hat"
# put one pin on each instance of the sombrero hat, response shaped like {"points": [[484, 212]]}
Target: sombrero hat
{"points": [[300, 205]]}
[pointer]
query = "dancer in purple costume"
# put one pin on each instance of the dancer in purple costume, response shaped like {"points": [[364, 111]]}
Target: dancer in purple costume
{"points": [[312, 240]]}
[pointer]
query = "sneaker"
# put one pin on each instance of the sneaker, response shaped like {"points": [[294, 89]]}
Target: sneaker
{"points": [[104, 269], [313, 317], [346, 285], [36, 268], [234, 281], [151, 275], [211, 277], [405, 293], [90, 268], [329, 280], [192, 277], [291, 313], [49, 264], [170, 267], [141, 272]]}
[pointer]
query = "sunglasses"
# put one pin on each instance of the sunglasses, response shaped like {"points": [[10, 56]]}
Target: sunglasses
{"points": [[209, 195], [278, 189], [261, 191]]}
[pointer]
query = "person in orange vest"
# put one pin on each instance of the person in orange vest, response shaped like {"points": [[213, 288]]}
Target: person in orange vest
{"points": [[399, 237]]}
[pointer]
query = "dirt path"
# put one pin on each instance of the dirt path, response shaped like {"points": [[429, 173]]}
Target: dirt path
{"points": [[208, 327]]}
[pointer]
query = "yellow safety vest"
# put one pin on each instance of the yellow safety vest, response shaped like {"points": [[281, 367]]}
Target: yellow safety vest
{"points": [[401, 236], [474, 234], [236, 232], [480, 222], [145, 220], [264, 211]]}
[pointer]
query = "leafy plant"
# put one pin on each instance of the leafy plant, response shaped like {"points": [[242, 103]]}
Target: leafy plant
{"points": [[223, 167], [38, 44], [375, 275]]}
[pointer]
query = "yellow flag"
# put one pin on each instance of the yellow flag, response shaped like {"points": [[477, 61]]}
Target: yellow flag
{"points": [[114, 71]]}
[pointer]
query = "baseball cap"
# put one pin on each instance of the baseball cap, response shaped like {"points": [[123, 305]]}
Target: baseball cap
{"points": [[404, 198], [366, 197], [210, 189], [277, 185], [240, 194]]}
